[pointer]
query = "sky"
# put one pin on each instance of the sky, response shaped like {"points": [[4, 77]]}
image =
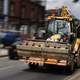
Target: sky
{"points": [[74, 8]]}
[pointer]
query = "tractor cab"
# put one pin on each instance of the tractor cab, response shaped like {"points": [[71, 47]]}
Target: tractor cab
{"points": [[61, 28], [60, 31]]}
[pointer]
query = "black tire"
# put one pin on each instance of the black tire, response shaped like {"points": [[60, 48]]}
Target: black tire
{"points": [[70, 69], [48, 66], [33, 66]]}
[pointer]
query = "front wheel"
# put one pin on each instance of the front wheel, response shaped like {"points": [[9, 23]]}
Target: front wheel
{"points": [[71, 68]]}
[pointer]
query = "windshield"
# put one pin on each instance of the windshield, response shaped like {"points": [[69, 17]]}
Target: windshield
{"points": [[59, 26]]}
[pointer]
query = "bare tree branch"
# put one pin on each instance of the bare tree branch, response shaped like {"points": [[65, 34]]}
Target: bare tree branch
{"points": [[75, 1]]}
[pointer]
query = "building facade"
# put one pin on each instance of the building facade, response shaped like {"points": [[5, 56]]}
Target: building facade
{"points": [[1, 12], [26, 13]]}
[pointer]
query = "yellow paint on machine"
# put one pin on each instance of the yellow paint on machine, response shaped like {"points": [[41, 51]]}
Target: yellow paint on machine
{"points": [[56, 62], [48, 61], [77, 44]]}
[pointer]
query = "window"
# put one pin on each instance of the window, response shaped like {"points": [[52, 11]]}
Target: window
{"points": [[24, 29], [1, 6], [23, 12], [59, 26], [12, 9]]}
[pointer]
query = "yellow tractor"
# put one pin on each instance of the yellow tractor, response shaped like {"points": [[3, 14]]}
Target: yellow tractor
{"points": [[61, 46]]}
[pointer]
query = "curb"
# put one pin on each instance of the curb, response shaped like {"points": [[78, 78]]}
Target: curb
{"points": [[3, 52], [3, 55]]}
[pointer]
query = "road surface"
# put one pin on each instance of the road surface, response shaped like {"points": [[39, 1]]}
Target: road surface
{"points": [[17, 70]]}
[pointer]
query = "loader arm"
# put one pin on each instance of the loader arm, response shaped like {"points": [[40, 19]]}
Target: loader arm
{"points": [[77, 45]]}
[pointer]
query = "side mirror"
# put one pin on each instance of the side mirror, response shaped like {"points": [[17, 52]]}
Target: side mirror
{"points": [[72, 37], [73, 34]]}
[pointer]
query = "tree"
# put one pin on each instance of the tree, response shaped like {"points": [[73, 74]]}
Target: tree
{"points": [[75, 1]]}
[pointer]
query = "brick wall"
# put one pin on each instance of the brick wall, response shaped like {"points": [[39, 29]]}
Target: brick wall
{"points": [[25, 12]]}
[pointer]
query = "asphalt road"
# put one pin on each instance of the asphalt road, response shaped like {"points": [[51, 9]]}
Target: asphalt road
{"points": [[17, 70]]}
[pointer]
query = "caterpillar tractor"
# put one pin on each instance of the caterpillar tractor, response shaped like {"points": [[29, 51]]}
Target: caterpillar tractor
{"points": [[61, 46]]}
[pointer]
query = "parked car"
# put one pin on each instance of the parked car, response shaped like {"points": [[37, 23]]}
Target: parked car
{"points": [[13, 52], [9, 41]]}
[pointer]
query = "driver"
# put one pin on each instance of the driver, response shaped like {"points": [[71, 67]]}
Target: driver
{"points": [[65, 38]]}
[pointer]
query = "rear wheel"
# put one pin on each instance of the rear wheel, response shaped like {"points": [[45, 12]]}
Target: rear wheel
{"points": [[33, 66]]}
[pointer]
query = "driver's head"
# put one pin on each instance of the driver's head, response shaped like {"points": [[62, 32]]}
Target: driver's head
{"points": [[65, 38]]}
